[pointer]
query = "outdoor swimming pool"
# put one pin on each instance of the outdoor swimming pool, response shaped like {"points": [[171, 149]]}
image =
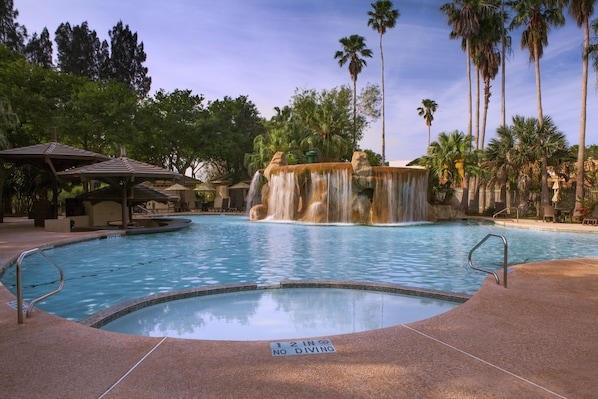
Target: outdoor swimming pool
{"points": [[219, 249]]}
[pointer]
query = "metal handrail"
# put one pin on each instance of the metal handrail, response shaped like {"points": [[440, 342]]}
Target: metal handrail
{"points": [[505, 258], [19, 283], [505, 210]]}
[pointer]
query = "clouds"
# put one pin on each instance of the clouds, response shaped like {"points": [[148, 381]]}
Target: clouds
{"points": [[266, 49]]}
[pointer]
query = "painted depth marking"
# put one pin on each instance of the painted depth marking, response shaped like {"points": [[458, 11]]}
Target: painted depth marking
{"points": [[307, 347]]}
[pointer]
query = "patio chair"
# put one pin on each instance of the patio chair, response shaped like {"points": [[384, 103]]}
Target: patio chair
{"points": [[549, 213], [593, 218]]}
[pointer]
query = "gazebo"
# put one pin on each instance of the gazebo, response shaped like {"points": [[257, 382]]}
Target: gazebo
{"points": [[120, 172], [53, 156]]}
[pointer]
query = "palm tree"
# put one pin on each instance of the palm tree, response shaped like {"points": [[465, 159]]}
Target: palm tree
{"points": [[537, 17], [487, 59], [463, 16], [581, 10], [353, 48], [446, 156], [427, 112], [383, 17], [500, 160]]}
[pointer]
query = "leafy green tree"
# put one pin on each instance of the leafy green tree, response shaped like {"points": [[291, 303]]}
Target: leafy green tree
{"points": [[99, 117], [327, 115], [80, 51], [39, 50], [37, 96], [383, 17], [427, 112], [536, 17], [354, 51], [373, 158], [233, 125], [581, 11], [126, 60], [9, 121], [12, 35], [171, 130]]}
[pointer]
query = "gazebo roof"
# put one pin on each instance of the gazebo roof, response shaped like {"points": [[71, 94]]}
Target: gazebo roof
{"points": [[121, 167], [57, 156]]}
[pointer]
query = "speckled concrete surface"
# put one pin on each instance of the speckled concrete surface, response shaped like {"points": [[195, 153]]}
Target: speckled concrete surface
{"points": [[536, 339]]}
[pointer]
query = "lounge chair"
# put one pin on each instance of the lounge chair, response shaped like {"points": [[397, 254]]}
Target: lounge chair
{"points": [[593, 218], [549, 213]]}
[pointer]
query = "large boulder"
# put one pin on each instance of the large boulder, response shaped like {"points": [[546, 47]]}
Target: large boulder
{"points": [[362, 171], [279, 159]]}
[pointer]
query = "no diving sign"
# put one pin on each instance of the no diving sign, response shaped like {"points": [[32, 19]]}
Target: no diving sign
{"points": [[307, 347]]}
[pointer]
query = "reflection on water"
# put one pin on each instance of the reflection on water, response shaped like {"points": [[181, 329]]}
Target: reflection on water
{"points": [[278, 314], [230, 249]]}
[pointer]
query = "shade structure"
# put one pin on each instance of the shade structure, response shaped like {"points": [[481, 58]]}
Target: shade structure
{"points": [[55, 156], [177, 187], [241, 185], [140, 194], [122, 172]]}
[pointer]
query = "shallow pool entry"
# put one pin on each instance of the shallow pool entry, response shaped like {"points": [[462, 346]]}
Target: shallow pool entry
{"points": [[270, 314]]}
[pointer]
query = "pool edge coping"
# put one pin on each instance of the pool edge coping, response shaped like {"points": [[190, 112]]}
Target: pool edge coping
{"points": [[101, 318]]}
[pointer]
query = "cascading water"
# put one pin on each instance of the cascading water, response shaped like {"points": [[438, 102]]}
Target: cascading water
{"points": [[339, 193], [254, 196]]}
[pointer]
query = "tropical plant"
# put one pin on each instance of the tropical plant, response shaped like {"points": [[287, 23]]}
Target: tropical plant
{"points": [[354, 51], [449, 159], [383, 17], [521, 154], [427, 112], [501, 160], [581, 10], [536, 17]]}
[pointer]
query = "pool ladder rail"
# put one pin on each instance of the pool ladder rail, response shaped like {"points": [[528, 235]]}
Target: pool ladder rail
{"points": [[505, 258], [20, 283], [506, 211]]}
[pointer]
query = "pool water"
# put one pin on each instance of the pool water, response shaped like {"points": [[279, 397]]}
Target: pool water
{"points": [[222, 249], [278, 314]]}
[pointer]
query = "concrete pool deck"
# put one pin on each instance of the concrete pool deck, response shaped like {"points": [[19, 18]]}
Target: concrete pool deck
{"points": [[538, 338]]}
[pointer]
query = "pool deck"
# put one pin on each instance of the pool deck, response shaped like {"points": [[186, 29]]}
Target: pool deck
{"points": [[538, 338]]}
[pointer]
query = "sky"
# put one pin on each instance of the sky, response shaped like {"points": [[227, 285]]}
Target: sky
{"points": [[267, 49]]}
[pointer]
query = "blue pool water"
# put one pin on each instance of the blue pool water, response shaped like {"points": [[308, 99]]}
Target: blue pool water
{"points": [[219, 249], [278, 314]]}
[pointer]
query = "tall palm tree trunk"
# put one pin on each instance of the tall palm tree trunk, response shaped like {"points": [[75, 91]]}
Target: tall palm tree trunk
{"points": [[538, 85], [503, 44], [354, 114], [383, 119], [543, 162], [465, 197], [579, 188]]}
